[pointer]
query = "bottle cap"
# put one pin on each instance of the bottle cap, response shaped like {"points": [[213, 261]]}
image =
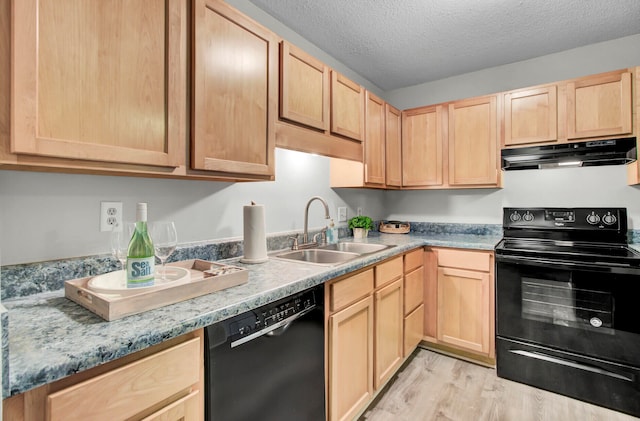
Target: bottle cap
{"points": [[141, 212]]}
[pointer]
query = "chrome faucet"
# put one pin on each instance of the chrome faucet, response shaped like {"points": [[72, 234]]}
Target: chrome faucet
{"points": [[305, 234]]}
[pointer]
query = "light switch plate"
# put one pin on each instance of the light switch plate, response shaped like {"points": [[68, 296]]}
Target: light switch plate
{"points": [[342, 214]]}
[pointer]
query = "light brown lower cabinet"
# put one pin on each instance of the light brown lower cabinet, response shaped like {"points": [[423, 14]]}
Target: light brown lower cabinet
{"points": [[413, 328], [413, 300], [183, 409], [351, 359], [164, 382], [463, 305], [370, 332], [388, 319]]}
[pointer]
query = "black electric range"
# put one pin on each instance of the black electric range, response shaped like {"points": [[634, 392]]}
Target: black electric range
{"points": [[567, 304]]}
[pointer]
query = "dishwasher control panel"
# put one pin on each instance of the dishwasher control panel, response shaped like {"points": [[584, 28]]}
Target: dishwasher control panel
{"points": [[271, 314]]}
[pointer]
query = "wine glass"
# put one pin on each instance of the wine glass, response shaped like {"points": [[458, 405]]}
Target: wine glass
{"points": [[120, 237], [165, 240]]}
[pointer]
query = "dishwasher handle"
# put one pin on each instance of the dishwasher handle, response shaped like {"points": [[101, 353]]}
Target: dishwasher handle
{"points": [[275, 329]]}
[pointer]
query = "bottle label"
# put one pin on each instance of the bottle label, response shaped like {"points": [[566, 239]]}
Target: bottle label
{"points": [[140, 271]]}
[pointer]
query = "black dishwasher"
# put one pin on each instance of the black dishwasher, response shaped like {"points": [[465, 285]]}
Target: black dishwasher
{"points": [[268, 363]]}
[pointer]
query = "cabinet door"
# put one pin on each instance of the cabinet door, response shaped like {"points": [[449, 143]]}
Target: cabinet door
{"points": [[422, 145], [347, 107], [388, 332], [235, 92], [99, 81], [185, 409], [374, 141], [463, 309], [413, 330], [393, 146], [350, 360], [473, 142], [531, 116], [599, 106], [304, 88]]}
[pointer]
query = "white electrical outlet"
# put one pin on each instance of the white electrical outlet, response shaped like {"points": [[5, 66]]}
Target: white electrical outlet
{"points": [[110, 216], [359, 211], [342, 214]]}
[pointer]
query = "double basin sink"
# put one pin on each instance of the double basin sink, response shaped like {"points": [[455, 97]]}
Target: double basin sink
{"points": [[333, 254]]}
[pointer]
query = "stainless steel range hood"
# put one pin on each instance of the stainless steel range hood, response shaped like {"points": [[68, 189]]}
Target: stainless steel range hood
{"points": [[579, 154]]}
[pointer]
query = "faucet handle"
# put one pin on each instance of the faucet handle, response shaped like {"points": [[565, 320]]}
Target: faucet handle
{"points": [[323, 237], [294, 244]]}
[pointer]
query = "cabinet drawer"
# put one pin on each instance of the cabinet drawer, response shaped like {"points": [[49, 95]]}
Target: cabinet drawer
{"points": [[413, 330], [184, 409], [128, 390], [413, 260], [413, 289], [474, 260], [351, 289], [388, 271]]}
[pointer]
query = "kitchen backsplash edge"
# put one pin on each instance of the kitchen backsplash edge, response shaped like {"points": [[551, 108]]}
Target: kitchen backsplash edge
{"points": [[33, 278]]}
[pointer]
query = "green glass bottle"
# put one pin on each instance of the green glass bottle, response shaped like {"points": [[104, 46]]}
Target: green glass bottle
{"points": [[141, 259]]}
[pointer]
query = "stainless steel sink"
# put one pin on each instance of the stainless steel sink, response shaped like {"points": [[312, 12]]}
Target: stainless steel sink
{"points": [[351, 247], [332, 254], [318, 256]]}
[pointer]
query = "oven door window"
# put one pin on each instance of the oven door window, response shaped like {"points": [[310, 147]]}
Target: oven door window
{"points": [[589, 312], [565, 304]]}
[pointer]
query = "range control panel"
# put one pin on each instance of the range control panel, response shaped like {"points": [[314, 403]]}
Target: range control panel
{"points": [[613, 219]]}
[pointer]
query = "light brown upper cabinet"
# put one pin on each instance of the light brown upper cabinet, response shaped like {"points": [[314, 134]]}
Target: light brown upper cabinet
{"points": [[99, 81], [422, 146], [633, 169], [304, 88], [531, 116], [374, 141], [347, 107], [381, 166], [321, 111], [473, 142], [599, 105], [393, 146], [234, 92]]}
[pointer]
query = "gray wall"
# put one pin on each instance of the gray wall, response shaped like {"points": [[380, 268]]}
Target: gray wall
{"points": [[50, 216], [561, 187], [583, 61], [598, 186], [259, 15]]}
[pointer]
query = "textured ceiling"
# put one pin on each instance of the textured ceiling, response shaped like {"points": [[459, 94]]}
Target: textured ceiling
{"points": [[399, 43]]}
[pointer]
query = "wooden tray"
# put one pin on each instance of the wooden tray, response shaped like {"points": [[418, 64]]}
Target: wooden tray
{"points": [[206, 277]]}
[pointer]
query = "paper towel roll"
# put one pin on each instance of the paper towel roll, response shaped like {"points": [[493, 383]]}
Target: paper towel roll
{"points": [[255, 241]]}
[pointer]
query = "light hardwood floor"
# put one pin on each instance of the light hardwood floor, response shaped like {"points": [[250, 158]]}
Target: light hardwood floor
{"points": [[437, 387]]}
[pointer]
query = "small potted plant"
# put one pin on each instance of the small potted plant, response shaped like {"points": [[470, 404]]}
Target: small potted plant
{"points": [[360, 226]]}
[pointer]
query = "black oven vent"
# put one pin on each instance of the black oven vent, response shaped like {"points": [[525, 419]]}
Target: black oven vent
{"points": [[578, 154]]}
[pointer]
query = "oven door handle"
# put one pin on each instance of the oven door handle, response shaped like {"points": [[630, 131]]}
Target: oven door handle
{"points": [[572, 364]]}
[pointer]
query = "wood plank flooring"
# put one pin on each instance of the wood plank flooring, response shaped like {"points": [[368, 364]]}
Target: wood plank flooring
{"points": [[437, 387]]}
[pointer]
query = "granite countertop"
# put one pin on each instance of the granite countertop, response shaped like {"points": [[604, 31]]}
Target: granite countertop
{"points": [[51, 337]]}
